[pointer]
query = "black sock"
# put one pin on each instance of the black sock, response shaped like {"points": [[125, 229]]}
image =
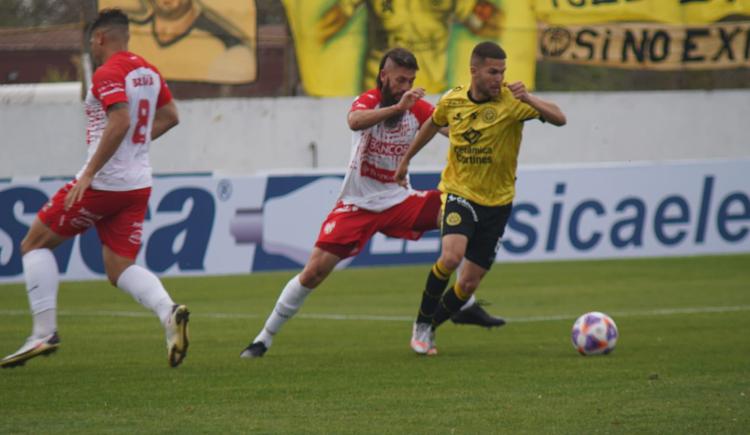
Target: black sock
{"points": [[437, 280], [450, 303]]}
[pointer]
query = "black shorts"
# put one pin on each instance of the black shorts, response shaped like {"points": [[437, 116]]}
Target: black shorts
{"points": [[483, 225]]}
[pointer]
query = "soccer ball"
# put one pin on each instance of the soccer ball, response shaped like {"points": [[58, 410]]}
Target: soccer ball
{"points": [[594, 333]]}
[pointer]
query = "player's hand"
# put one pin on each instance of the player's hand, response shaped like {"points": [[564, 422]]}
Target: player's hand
{"points": [[76, 193], [519, 91], [400, 175], [410, 98]]}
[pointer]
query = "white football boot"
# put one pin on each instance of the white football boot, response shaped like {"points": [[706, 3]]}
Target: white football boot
{"points": [[433, 347], [33, 347], [421, 338], [177, 335]]}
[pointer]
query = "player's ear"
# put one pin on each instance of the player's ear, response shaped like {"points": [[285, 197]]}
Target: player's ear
{"points": [[98, 37]]}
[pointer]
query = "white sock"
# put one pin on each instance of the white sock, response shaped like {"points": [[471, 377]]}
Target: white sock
{"points": [[40, 273], [469, 302], [289, 302], [146, 288]]}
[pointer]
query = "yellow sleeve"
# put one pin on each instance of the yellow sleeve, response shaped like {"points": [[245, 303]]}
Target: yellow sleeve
{"points": [[440, 115], [524, 112]]}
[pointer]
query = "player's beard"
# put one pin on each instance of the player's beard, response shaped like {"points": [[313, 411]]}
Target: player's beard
{"points": [[486, 88], [388, 99]]}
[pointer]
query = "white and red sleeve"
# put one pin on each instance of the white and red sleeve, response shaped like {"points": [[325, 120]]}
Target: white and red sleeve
{"points": [[422, 110], [368, 100], [108, 86], [165, 95]]}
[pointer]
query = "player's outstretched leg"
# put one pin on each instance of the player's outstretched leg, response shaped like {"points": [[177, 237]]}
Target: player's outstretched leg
{"points": [[472, 313], [148, 290], [289, 302], [422, 337], [40, 273]]}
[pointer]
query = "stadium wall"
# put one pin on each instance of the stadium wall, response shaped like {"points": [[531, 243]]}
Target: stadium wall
{"points": [[632, 175], [253, 136]]}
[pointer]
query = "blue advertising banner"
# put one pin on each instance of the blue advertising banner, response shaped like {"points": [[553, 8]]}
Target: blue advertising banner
{"points": [[207, 225]]}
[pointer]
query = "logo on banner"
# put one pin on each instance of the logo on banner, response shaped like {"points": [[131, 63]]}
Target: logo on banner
{"points": [[554, 41]]}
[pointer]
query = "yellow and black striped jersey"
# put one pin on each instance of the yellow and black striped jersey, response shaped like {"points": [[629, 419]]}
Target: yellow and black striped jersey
{"points": [[485, 139]]}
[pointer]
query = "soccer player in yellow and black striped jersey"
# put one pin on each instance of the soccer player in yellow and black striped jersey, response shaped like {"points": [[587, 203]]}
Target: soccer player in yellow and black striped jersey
{"points": [[485, 121]]}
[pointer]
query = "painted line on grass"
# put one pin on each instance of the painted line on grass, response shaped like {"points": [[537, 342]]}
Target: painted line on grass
{"points": [[366, 317]]}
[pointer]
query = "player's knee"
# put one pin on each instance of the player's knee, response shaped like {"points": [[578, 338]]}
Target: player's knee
{"points": [[115, 265], [307, 280], [450, 260], [114, 271], [469, 286], [113, 277], [312, 276], [29, 244], [26, 246]]}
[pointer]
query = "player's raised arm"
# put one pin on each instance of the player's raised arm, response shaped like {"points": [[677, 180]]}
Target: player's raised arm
{"points": [[426, 133], [165, 118], [362, 119], [549, 110]]}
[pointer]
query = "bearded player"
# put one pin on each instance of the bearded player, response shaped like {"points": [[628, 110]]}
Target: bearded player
{"points": [[384, 120]]}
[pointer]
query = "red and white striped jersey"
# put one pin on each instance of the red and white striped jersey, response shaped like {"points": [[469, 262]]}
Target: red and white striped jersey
{"points": [[376, 153], [124, 78]]}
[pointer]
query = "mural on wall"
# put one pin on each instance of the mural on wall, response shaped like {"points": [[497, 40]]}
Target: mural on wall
{"points": [[647, 34], [211, 41], [339, 43]]}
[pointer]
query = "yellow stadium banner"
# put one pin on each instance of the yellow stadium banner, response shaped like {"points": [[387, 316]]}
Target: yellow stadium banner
{"points": [[339, 43], [645, 34], [649, 46], [212, 41], [564, 12]]}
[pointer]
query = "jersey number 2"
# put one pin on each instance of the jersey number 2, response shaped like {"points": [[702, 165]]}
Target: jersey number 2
{"points": [[139, 136]]}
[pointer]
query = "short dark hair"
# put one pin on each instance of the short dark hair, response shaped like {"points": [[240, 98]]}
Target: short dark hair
{"points": [[487, 49], [402, 57], [109, 17]]}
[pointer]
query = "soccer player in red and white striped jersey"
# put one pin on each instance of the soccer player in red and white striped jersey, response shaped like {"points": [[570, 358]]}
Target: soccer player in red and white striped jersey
{"points": [[383, 121], [127, 106]]}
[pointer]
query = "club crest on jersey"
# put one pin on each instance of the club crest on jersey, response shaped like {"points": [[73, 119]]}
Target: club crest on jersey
{"points": [[453, 219], [488, 114]]}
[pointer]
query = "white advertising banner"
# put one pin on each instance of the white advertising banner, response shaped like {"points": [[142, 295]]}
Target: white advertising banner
{"points": [[206, 225], [630, 211]]}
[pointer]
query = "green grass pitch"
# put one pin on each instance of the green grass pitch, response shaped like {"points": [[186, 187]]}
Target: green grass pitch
{"points": [[682, 364]]}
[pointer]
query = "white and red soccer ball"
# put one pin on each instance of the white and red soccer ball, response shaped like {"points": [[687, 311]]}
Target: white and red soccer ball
{"points": [[594, 333]]}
